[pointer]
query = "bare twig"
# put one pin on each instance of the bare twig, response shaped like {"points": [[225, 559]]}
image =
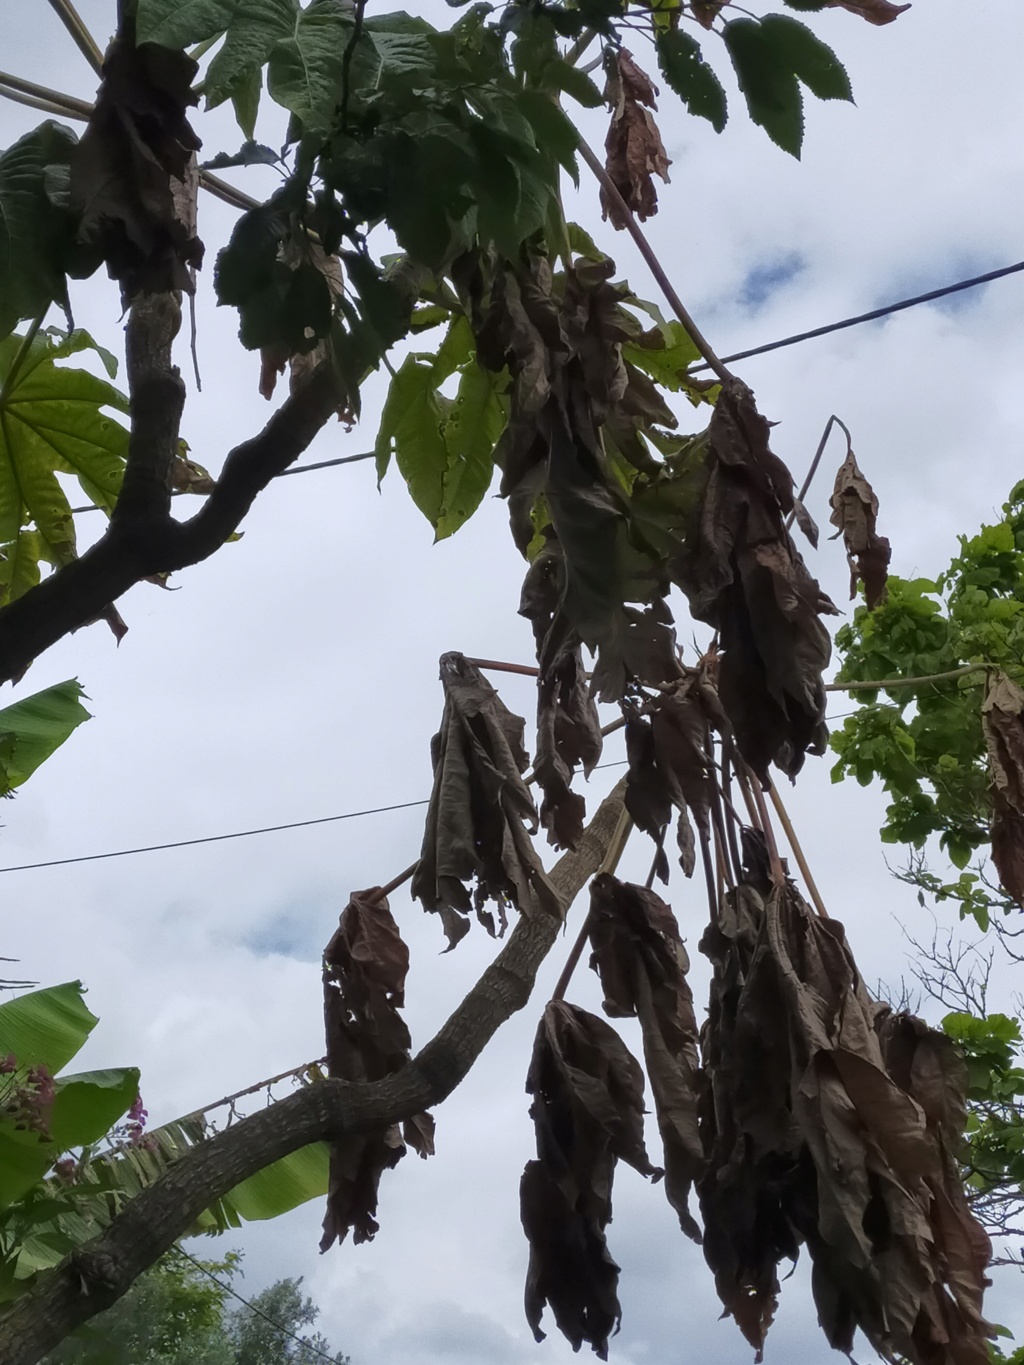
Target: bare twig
{"points": [[84, 40], [608, 864], [798, 853], [832, 421], [65, 104], [886, 684]]}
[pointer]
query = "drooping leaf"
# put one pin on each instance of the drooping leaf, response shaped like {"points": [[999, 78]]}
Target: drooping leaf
{"points": [[744, 576], [643, 966], [634, 149], [470, 430], [250, 36], [688, 74], [52, 420], [249, 154], [47, 1027], [811, 61], [481, 813], [412, 428], [133, 174], [874, 11], [854, 514], [1002, 716], [36, 233], [365, 966], [588, 1113], [34, 728]]}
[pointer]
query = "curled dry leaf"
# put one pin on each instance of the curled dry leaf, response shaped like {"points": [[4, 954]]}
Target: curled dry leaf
{"points": [[743, 575], [634, 149], [643, 966], [481, 812], [833, 1123], [568, 726], [854, 515], [1002, 718], [189, 477], [668, 767], [365, 966], [707, 11], [134, 175], [588, 1111], [874, 11]]}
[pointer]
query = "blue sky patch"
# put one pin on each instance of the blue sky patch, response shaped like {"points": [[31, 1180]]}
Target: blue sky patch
{"points": [[768, 277]]}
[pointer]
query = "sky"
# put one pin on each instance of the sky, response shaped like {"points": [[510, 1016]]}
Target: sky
{"points": [[294, 674]]}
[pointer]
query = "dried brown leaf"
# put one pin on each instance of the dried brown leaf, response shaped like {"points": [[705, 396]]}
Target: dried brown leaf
{"points": [[481, 812], [587, 1111], [707, 11], [1002, 718], [854, 514], [643, 966], [128, 170], [634, 149], [365, 966], [744, 576]]}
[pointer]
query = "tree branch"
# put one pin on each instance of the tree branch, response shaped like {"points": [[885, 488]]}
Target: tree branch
{"points": [[131, 551], [98, 1273]]}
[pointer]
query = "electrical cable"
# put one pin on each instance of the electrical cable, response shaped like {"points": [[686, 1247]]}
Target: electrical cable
{"points": [[238, 834], [867, 317], [306, 1345], [875, 313]]}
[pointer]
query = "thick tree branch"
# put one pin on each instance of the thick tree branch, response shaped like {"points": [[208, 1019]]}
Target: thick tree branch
{"points": [[97, 1274], [130, 552]]}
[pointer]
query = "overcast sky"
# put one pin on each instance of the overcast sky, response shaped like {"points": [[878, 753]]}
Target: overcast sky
{"points": [[295, 674]]}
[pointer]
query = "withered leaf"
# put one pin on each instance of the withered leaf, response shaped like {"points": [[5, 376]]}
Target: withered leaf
{"points": [[874, 11], [480, 810], [668, 767], [568, 726], [839, 1122], [707, 11], [634, 149], [365, 966], [743, 575], [643, 966], [1002, 719], [134, 174], [297, 250], [588, 1113], [854, 515]]}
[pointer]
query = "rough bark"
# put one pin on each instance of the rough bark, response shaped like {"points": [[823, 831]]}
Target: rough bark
{"points": [[98, 1273]]}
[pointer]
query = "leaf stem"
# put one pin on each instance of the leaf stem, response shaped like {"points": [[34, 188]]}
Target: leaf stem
{"points": [[20, 356], [798, 853], [832, 421], [655, 266], [885, 684], [83, 39], [610, 862], [65, 104]]}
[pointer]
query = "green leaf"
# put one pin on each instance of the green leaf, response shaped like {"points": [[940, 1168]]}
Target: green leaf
{"points": [[35, 233], [52, 420], [411, 426], [253, 32], [180, 23], [571, 81], [768, 83], [305, 70], [283, 1186], [31, 729], [474, 423], [86, 1106], [249, 154], [554, 133], [688, 74], [809, 6], [811, 60], [46, 1027], [245, 100]]}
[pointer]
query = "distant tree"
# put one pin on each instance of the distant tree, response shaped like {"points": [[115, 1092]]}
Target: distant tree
{"points": [[178, 1314]]}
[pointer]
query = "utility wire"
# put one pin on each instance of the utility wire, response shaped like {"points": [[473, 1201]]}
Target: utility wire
{"points": [[237, 834], [875, 313], [302, 1341], [868, 317]]}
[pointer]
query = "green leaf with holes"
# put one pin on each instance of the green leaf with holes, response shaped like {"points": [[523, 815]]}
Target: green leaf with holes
{"points": [[53, 420], [688, 74]]}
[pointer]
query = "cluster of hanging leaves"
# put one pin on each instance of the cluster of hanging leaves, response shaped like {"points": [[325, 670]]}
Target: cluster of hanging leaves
{"points": [[365, 966], [634, 149], [948, 760], [587, 1111], [481, 813], [829, 1121]]}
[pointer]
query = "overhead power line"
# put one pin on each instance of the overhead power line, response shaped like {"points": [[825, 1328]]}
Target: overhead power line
{"points": [[875, 313], [873, 316], [236, 834]]}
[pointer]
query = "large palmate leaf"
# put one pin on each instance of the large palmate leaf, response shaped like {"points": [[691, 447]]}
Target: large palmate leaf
{"points": [[52, 421], [34, 727], [35, 231]]}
